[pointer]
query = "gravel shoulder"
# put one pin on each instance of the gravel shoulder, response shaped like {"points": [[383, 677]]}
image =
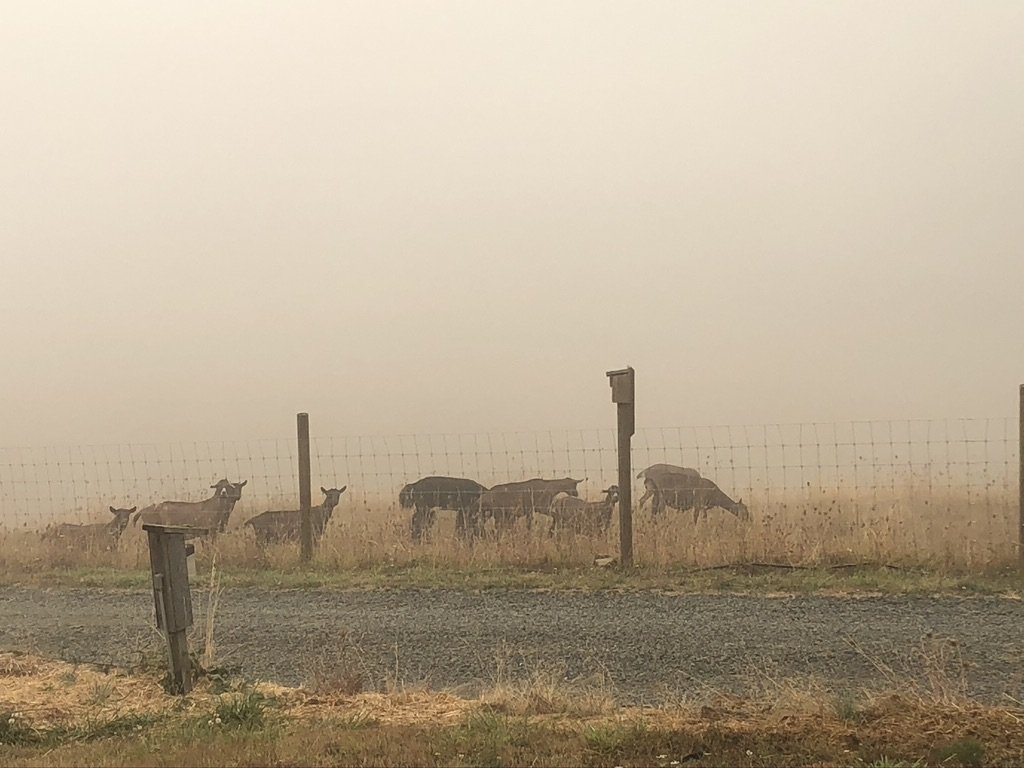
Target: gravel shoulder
{"points": [[647, 646]]}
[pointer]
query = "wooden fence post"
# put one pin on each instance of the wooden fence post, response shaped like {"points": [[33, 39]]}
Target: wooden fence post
{"points": [[622, 384], [305, 492], [1020, 481]]}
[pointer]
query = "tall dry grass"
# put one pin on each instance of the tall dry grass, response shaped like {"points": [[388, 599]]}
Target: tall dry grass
{"points": [[939, 530]]}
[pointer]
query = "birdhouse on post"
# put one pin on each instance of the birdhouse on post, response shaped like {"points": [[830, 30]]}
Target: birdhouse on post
{"points": [[623, 391]]}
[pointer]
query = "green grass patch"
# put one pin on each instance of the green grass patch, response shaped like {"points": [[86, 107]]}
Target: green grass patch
{"points": [[15, 731], [744, 579], [967, 752], [99, 729]]}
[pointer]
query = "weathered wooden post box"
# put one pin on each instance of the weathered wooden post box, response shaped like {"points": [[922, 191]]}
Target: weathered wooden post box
{"points": [[169, 564], [623, 395]]}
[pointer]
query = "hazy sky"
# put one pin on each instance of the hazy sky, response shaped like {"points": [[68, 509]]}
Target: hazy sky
{"points": [[455, 216]]}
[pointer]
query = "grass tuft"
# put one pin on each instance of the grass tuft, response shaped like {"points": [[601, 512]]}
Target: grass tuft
{"points": [[245, 710], [614, 739]]}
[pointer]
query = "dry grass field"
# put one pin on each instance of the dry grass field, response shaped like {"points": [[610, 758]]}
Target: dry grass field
{"points": [[951, 535], [938, 530]]}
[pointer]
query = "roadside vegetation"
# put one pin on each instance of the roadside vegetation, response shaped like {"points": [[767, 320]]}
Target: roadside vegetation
{"points": [[55, 714]]}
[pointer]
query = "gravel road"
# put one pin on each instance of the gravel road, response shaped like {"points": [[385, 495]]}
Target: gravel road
{"points": [[647, 644]]}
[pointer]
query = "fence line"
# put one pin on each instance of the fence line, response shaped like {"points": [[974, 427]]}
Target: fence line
{"points": [[971, 464]]}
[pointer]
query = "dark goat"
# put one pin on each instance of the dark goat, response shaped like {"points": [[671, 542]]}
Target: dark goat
{"points": [[286, 525], [506, 502], [430, 493]]}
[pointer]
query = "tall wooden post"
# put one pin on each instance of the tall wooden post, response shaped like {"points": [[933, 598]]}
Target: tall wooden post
{"points": [[1020, 480], [305, 492], [622, 384]]}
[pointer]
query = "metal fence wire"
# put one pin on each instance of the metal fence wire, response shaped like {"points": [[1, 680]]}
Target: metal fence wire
{"points": [[967, 467]]}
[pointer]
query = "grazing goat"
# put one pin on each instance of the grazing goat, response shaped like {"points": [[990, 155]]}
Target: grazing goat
{"points": [[430, 493], [286, 525], [94, 535], [508, 501], [211, 514], [684, 489], [583, 517]]}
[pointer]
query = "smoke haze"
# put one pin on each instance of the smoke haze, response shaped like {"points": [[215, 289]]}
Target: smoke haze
{"points": [[456, 216]]}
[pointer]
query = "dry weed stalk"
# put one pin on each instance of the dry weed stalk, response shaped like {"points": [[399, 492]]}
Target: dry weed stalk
{"points": [[213, 593]]}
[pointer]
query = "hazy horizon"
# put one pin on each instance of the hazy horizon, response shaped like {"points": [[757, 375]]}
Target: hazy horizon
{"points": [[455, 217]]}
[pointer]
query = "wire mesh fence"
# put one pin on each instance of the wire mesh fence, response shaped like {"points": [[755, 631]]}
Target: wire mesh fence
{"points": [[944, 479]]}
